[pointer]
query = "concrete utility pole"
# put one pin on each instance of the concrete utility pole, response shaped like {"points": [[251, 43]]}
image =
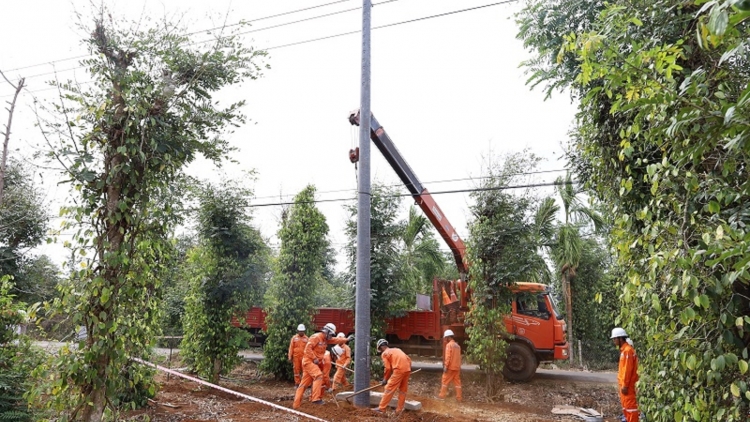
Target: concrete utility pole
{"points": [[362, 317]]}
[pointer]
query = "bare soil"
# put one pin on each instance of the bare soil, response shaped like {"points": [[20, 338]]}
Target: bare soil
{"points": [[183, 400]]}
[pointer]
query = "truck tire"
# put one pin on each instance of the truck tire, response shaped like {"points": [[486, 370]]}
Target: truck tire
{"points": [[520, 363]]}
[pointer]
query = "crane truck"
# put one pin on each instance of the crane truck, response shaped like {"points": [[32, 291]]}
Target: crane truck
{"points": [[537, 331]]}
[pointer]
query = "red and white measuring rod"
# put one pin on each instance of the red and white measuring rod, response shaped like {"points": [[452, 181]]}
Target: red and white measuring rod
{"points": [[226, 390]]}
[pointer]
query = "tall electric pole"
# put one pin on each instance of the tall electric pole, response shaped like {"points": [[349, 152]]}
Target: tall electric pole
{"points": [[362, 317]]}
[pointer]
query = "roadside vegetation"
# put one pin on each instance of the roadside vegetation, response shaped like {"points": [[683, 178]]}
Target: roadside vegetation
{"points": [[647, 231]]}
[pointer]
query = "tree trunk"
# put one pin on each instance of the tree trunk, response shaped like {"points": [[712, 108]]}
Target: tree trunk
{"points": [[6, 134], [216, 372], [95, 412], [569, 312]]}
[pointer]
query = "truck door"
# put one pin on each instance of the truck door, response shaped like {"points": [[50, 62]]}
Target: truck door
{"points": [[532, 320]]}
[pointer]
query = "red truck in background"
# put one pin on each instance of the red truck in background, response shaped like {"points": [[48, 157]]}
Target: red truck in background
{"points": [[537, 329]]}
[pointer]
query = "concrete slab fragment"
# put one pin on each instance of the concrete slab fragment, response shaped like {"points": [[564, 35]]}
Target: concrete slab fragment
{"points": [[376, 397]]}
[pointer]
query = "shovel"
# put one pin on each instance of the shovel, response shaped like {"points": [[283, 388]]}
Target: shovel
{"points": [[344, 367]]}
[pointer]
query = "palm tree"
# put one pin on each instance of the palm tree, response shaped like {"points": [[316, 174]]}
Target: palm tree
{"points": [[569, 245], [421, 254], [544, 231]]}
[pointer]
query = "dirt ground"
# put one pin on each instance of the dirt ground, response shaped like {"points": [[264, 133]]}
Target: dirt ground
{"points": [[183, 400]]}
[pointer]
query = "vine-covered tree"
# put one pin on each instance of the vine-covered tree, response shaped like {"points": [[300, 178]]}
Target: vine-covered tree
{"points": [[123, 140], [228, 275], [386, 271], [298, 274], [662, 139], [502, 247]]}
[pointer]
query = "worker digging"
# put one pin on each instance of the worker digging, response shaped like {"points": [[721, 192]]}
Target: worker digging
{"points": [[312, 362], [296, 350], [343, 356], [396, 376]]}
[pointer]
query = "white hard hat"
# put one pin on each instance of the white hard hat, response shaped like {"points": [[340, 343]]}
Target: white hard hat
{"points": [[330, 329], [301, 327], [337, 350], [341, 335], [382, 342], [618, 332], [448, 333]]}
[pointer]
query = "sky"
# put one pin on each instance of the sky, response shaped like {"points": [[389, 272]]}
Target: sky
{"points": [[448, 90]]}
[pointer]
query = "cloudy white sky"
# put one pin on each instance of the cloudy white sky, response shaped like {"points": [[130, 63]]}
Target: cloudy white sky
{"points": [[448, 90]]}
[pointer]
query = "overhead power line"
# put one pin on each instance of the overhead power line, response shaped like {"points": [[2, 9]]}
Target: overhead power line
{"points": [[439, 15], [221, 27], [495, 188], [430, 182], [191, 33], [328, 36]]}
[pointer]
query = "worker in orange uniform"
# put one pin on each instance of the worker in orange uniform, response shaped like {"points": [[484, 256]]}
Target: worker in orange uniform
{"points": [[296, 350], [343, 359], [451, 366], [397, 371], [325, 367], [312, 361], [627, 375]]}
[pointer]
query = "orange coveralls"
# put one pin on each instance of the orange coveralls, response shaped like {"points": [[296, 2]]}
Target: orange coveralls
{"points": [[397, 371], [344, 360], [311, 373], [296, 350], [451, 369], [326, 368], [627, 375]]}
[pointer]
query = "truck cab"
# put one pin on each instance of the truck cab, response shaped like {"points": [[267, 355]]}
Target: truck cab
{"points": [[537, 331]]}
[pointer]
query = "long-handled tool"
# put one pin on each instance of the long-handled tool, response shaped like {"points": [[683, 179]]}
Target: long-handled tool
{"points": [[375, 386], [334, 398], [341, 366], [356, 393]]}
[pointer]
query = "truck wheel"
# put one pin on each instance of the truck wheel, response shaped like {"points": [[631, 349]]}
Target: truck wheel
{"points": [[520, 363]]}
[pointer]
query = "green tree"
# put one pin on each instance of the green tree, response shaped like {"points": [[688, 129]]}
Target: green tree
{"points": [[298, 274], [420, 256], [123, 140], [37, 279], [596, 304], [229, 273], [503, 249], [386, 271], [23, 220], [568, 243], [17, 357], [661, 139]]}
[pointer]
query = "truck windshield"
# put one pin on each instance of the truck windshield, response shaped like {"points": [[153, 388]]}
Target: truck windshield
{"points": [[554, 306]]}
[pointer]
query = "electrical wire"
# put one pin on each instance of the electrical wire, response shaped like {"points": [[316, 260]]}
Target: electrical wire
{"points": [[191, 33], [328, 36], [230, 25], [392, 24], [495, 188], [432, 182]]}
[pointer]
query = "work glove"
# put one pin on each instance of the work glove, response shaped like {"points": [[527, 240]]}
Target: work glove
{"points": [[315, 361], [384, 382], [350, 338]]}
